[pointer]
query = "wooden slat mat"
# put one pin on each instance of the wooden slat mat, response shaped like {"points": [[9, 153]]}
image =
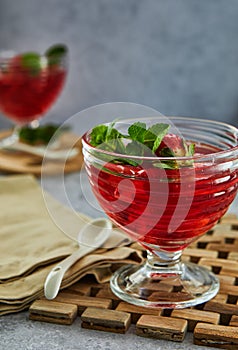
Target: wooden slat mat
{"points": [[213, 324]]}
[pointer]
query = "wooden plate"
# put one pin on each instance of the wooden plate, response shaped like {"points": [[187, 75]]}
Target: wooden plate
{"points": [[22, 162]]}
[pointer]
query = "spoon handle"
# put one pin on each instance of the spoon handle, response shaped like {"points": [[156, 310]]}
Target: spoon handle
{"points": [[55, 276]]}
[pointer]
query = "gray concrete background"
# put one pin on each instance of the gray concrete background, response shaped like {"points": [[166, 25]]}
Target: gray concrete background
{"points": [[177, 56]]}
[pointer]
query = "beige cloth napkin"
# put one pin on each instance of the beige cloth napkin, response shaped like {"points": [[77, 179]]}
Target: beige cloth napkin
{"points": [[31, 244]]}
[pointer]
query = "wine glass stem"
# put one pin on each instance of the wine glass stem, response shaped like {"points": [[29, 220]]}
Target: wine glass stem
{"points": [[162, 262], [14, 137], [10, 140]]}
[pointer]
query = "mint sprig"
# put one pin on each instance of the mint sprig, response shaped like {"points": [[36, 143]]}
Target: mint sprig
{"points": [[40, 135], [140, 141]]}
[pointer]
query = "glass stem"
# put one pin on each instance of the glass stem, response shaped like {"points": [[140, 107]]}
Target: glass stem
{"points": [[11, 139], [161, 263], [8, 141]]}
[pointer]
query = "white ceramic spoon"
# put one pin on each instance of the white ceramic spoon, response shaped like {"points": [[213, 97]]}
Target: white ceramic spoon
{"points": [[43, 151], [91, 237]]}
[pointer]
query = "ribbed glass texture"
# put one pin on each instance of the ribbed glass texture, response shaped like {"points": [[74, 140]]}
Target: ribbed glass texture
{"points": [[168, 208]]}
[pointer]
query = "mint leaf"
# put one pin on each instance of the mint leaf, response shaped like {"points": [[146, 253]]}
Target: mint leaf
{"points": [[155, 134], [137, 131], [98, 135], [104, 134], [136, 148], [151, 137], [162, 132], [112, 133], [56, 53], [190, 149], [32, 62], [107, 138]]}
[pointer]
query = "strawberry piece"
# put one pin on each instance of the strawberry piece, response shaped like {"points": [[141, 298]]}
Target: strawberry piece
{"points": [[171, 146]]}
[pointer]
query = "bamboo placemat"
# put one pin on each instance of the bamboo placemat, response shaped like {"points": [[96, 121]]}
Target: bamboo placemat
{"points": [[214, 324]]}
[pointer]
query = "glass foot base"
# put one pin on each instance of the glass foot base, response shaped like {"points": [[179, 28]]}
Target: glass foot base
{"points": [[8, 141], [190, 285]]}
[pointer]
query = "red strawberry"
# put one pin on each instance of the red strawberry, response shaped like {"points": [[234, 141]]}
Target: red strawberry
{"points": [[171, 146]]}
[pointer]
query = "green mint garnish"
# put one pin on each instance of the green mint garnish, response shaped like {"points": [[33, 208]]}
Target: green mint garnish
{"points": [[103, 135], [108, 139], [39, 135], [56, 53], [137, 132], [32, 62], [151, 137], [98, 135], [139, 141], [155, 135], [190, 149]]}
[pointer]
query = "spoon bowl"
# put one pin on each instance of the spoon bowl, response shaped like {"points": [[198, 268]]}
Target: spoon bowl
{"points": [[90, 237], [94, 233]]}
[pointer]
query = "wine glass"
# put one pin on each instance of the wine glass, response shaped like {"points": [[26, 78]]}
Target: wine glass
{"points": [[165, 203], [29, 85]]}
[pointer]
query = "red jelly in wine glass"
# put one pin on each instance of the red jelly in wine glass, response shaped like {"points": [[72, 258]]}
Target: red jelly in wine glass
{"points": [[165, 202], [208, 200], [25, 96]]}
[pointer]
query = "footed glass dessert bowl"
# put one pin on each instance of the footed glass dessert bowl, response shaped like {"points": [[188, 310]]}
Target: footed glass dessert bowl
{"points": [[165, 182], [30, 83]]}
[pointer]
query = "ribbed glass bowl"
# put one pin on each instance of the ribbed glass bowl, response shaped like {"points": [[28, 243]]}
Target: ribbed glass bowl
{"points": [[166, 209]]}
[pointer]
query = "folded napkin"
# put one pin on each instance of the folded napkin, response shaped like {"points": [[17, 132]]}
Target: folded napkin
{"points": [[32, 244]]}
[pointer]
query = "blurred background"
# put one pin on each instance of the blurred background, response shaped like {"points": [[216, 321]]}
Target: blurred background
{"points": [[177, 56]]}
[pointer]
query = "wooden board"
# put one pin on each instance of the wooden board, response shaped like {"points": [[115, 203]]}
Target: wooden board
{"points": [[213, 324], [22, 162]]}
